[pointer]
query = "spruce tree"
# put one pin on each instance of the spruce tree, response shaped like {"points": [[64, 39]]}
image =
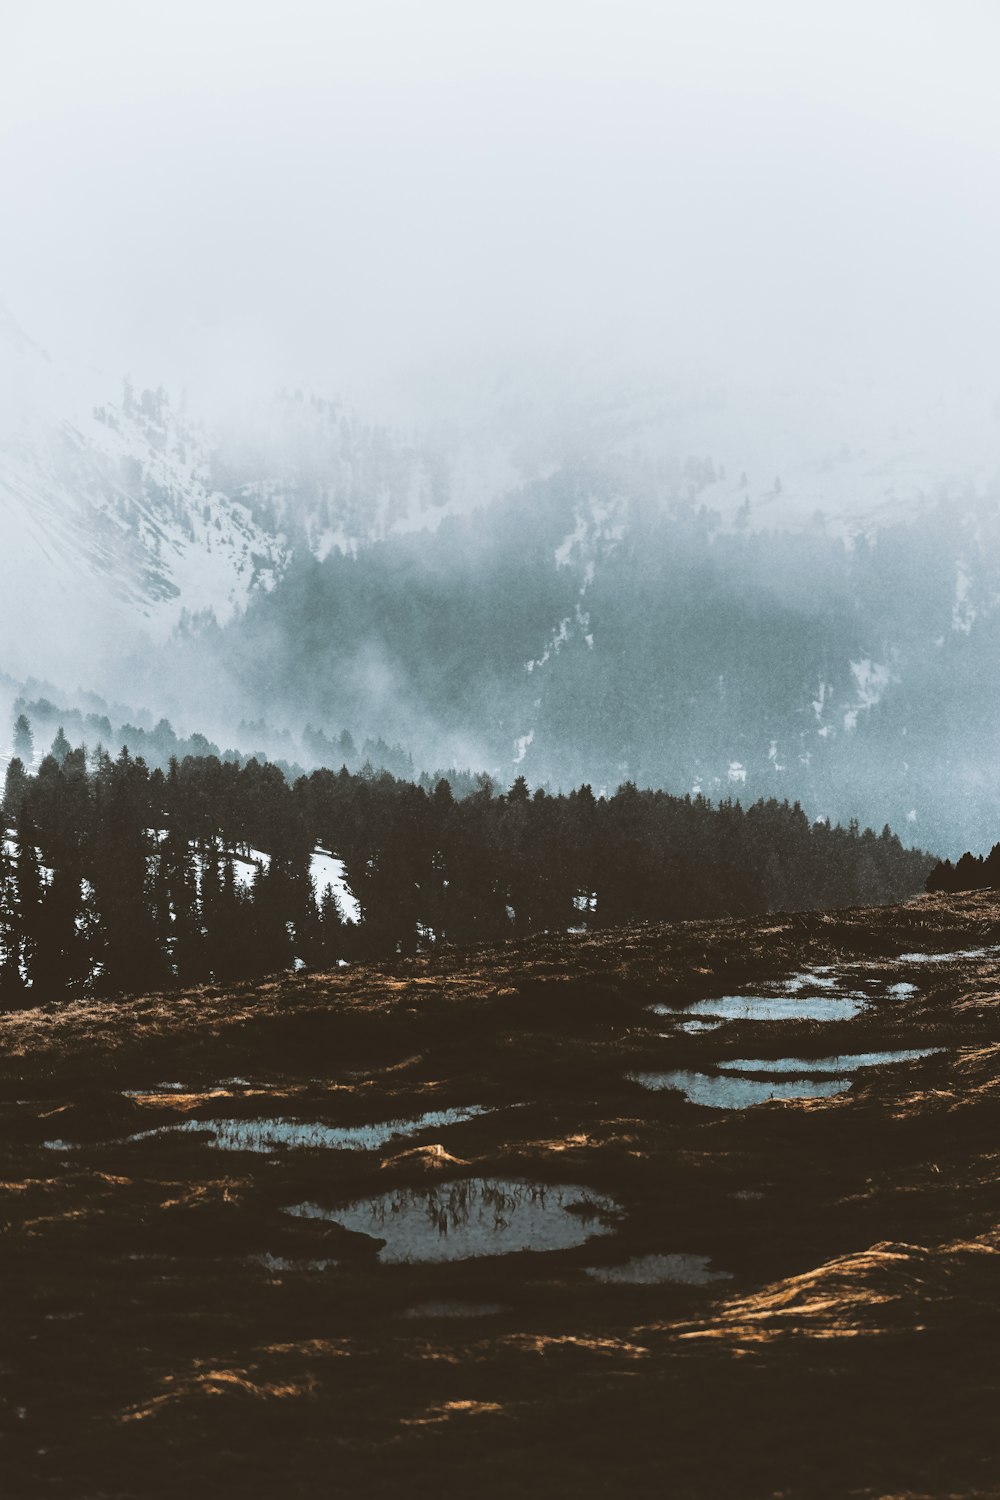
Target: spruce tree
{"points": [[24, 744], [14, 791], [61, 747], [60, 965]]}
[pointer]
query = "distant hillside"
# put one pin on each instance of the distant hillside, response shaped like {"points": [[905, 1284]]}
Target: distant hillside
{"points": [[114, 877], [580, 631]]}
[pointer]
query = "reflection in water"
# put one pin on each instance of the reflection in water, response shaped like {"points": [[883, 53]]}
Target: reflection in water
{"points": [[273, 1135], [726, 1091], [473, 1217], [825, 993], [847, 1063], [771, 1008], [276, 1135], [648, 1270]]}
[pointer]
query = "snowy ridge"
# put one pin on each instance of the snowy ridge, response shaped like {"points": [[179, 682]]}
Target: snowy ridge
{"points": [[107, 508]]}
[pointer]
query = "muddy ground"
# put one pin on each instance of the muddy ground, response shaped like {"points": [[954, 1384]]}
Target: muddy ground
{"points": [[168, 1327]]}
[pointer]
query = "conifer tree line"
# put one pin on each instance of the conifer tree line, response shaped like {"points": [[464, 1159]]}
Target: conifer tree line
{"points": [[117, 877], [972, 872], [158, 744]]}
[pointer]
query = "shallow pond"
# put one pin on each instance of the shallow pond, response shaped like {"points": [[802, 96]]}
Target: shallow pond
{"points": [[769, 1008], [282, 1135], [805, 1066], [726, 1091], [274, 1135], [473, 1217]]}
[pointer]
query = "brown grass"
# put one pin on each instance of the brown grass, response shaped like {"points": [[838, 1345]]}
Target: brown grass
{"points": [[167, 1326]]}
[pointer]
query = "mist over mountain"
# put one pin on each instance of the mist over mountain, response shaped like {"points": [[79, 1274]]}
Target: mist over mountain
{"points": [[581, 582], [590, 628], [594, 396]]}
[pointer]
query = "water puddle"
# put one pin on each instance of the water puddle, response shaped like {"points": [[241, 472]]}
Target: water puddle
{"points": [[725, 1091], [474, 1217], [653, 1270], [272, 1136], [805, 1066], [742, 1082], [768, 1008], [825, 993]]}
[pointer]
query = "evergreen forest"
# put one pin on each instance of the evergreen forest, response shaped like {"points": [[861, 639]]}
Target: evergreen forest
{"points": [[973, 872], [117, 877]]}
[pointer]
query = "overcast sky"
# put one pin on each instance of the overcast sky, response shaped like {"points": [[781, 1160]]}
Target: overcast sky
{"points": [[247, 190]]}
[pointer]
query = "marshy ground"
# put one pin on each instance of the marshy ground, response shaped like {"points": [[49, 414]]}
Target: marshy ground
{"points": [[709, 1209]]}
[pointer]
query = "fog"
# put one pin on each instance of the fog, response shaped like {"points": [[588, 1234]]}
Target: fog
{"points": [[373, 197], [594, 391]]}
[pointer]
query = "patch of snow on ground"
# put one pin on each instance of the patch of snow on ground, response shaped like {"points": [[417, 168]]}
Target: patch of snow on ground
{"points": [[329, 873]]}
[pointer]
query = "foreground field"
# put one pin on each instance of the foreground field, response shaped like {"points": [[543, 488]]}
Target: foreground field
{"points": [[518, 1221]]}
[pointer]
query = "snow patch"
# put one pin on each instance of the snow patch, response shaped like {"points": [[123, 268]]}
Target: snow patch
{"points": [[328, 873], [963, 612], [871, 680]]}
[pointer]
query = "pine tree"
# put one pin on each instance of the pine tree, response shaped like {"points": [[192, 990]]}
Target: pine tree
{"points": [[60, 965], [272, 941], [15, 789], [24, 744], [61, 747], [181, 922]]}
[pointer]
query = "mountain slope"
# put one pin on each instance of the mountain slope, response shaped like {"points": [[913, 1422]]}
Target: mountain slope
{"points": [[109, 516], [746, 594]]}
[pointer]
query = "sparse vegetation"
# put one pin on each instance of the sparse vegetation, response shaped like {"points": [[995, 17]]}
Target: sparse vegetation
{"points": [[170, 1325]]}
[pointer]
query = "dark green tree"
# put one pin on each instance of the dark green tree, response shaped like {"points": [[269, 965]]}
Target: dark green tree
{"points": [[24, 744]]}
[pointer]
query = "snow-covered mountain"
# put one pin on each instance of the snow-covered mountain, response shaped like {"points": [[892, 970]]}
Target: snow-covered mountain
{"points": [[110, 525], [121, 512], [128, 512], [747, 592]]}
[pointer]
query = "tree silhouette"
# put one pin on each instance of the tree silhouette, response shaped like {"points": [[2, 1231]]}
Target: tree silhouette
{"points": [[24, 744]]}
